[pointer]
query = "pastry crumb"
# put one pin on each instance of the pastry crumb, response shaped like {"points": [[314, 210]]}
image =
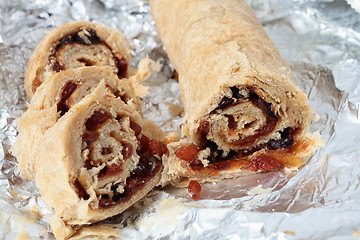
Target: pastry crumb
{"points": [[290, 233]]}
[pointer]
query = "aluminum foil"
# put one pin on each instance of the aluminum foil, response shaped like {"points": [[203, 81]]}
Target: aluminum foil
{"points": [[321, 41]]}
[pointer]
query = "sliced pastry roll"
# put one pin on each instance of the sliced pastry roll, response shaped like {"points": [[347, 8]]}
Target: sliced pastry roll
{"points": [[53, 99], [74, 45], [243, 109], [96, 161]]}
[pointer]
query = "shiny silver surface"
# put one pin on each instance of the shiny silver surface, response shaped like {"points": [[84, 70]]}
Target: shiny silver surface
{"points": [[321, 41]]}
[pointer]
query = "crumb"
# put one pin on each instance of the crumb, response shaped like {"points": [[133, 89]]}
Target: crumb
{"points": [[290, 232]]}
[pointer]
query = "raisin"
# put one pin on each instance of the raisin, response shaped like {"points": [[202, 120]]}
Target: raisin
{"points": [[285, 141], [187, 153], [106, 151], [157, 147], [127, 150], [113, 169], [204, 126], [231, 122], [194, 189], [96, 120], [136, 127], [267, 163], [264, 164], [62, 106], [197, 165], [122, 67], [144, 143]]}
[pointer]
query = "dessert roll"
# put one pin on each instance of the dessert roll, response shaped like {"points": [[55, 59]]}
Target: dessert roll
{"points": [[52, 101], [241, 101], [96, 161], [74, 45]]}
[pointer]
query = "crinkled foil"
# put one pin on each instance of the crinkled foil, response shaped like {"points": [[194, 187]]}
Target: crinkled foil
{"points": [[321, 41]]}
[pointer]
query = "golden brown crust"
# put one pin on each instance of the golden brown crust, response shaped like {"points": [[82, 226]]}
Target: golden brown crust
{"points": [[108, 48]]}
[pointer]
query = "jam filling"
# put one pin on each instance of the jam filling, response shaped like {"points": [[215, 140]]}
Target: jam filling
{"points": [[92, 125], [265, 107], [150, 152], [218, 162], [92, 38], [240, 158], [144, 171], [91, 135], [62, 106]]}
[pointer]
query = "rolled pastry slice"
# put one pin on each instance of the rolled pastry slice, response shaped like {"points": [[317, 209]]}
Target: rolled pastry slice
{"points": [[73, 45], [96, 161], [239, 96], [54, 98]]}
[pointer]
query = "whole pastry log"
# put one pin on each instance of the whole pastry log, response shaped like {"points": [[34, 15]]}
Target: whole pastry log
{"points": [[76, 44], [240, 98], [53, 99], [96, 161]]}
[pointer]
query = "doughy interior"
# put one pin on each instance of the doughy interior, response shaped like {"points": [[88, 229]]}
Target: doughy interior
{"points": [[86, 48], [243, 123], [117, 159]]}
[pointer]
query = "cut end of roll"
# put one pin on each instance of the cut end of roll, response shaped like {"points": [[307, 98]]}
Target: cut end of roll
{"points": [[246, 131], [246, 118], [74, 45]]}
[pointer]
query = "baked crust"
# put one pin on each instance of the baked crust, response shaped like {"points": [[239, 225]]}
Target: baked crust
{"points": [[73, 45]]}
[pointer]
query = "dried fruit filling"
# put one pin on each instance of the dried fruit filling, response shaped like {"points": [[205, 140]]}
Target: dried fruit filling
{"points": [[279, 154], [265, 107], [241, 158], [150, 152], [91, 39], [62, 106], [188, 153], [194, 189], [149, 165]]}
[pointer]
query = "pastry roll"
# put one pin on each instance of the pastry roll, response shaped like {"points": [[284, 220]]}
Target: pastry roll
{"points": [[74, 45], [53, 99], [243, 108], [96, 161]]}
